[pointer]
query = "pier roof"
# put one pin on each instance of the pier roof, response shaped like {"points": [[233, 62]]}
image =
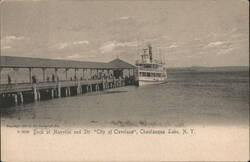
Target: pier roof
{"points": [[28, 62], [118, 63]]}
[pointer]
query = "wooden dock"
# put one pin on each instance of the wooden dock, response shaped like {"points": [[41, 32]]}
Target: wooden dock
{"points": [[100, 76], [20, 87]]}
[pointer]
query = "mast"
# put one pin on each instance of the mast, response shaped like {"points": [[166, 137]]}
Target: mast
{"points": [[160, 55], [150, 53], [137, 52]]}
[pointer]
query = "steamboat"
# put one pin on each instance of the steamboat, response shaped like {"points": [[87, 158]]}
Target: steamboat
{"points": [[150, 70]]}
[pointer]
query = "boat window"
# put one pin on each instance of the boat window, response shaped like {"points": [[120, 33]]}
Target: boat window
{"points": [[157, 74], [155, 66], [147, 65], [142, 74]]}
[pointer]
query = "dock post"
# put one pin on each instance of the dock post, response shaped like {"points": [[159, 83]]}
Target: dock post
{"points": [[90, 86], [16, 101], [52, 93], [79, 91], [107, 84], [87, 88], [35, 92], [59, 90], [69, 93], [30, 75], [21, 97], [103, 85], [66, 92], [78, 88], [38, 95], [96, 87]]}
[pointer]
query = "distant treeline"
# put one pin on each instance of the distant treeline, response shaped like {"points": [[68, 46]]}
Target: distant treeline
{"points": [[208, 69]]}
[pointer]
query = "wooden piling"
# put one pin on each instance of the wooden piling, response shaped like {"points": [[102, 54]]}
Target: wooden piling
{"points": [[16, 100], [87, 88], [52, 93], [59, 90], [38, 95], [35, 92], [69, 92], [90, 86], [21, 97]]}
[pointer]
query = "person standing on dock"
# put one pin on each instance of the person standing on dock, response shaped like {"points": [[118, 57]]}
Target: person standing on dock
{"points": [[33, 79], [9, 79], [53, 78]]}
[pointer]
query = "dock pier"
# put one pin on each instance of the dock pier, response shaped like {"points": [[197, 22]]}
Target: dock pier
{"points": [[86, 77]]}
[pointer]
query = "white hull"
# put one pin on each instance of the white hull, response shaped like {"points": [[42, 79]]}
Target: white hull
{"points": [[143, 83], [146, 81]]}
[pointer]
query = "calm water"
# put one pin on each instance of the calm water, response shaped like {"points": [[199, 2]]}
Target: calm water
{"points": [[190, 98]]}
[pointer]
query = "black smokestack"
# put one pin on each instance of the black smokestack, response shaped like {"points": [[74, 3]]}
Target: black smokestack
{"points": [[150, 53]]}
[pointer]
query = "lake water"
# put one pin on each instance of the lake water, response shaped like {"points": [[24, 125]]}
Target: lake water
{"points": [[189, 98]]}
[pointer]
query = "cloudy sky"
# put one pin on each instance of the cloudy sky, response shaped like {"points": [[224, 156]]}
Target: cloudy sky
{"points": [[186, 32]]}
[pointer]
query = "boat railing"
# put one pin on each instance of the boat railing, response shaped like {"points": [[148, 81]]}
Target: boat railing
{"points": [[150, 69], [157, 62]]}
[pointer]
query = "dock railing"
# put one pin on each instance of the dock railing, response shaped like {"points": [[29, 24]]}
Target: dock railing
{"points": [[17, 87]]}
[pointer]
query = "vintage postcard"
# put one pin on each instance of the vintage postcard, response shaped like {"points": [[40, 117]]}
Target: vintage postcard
{"points": [[124, 80]]}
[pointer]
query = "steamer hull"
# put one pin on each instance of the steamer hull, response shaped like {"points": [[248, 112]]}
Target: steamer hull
{"points": [[150, 70], [147, 82]]}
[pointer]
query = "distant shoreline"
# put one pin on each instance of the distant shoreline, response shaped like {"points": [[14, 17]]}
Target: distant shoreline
{"points": [[209, 69]]}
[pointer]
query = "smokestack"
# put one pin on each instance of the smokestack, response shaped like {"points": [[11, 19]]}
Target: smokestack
{"points": [[150, 53]]}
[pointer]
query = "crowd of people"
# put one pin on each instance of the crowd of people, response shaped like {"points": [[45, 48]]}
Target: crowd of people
{"points": [[101, 76]]}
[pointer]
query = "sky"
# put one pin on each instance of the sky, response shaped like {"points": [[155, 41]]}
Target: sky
{"points": [[185, 32]]}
